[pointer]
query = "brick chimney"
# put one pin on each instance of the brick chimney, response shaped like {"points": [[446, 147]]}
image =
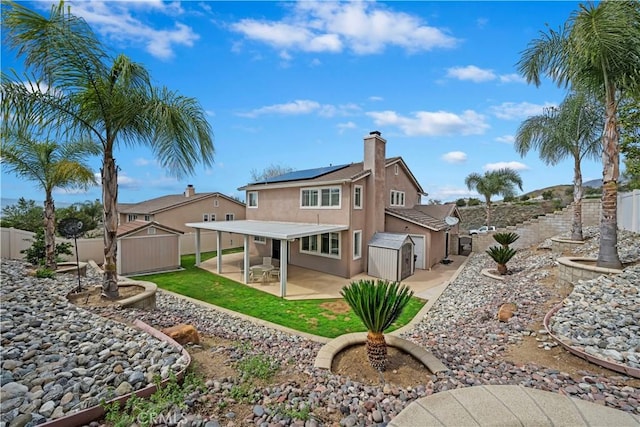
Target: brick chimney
{"points": [[374, 160], [190, 191]]}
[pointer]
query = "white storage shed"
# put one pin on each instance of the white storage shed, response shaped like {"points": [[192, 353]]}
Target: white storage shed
{"points": [[391, 256]]}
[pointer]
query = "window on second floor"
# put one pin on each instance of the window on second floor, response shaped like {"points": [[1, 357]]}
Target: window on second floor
{"points": [[397, 198], [396, 170], [131, 217], [205, 217], [325, 197], [147, 218], [229, 217], [216, 203], [252, 199], [212, 217], [357, 197]]}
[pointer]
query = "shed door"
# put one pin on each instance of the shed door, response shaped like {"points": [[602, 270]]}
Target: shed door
{"points": [[407, 260], [419, 250]]}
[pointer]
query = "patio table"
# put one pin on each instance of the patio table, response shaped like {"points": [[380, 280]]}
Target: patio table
{"points": [[262, 270]]}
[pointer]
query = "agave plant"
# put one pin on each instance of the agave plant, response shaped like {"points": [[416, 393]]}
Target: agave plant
{"points": [[505, 239], [501, 255], [378, 305]]}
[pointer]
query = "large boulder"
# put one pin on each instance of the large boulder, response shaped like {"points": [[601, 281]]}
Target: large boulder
{"points": [[505, 312]]}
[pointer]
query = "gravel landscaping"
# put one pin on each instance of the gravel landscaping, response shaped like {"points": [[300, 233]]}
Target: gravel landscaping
{"points": [[57, 358]]}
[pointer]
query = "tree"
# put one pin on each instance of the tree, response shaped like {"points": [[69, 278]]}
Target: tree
{"points": [[493, 183], [597, 50], [24, 215], [630, 140], [270, 171], [378, 305], [90, 213], [52, 166], [108, 99], [574, 130]]}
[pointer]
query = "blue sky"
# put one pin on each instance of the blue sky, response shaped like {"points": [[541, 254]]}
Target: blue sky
{"points": [[299, 84]]}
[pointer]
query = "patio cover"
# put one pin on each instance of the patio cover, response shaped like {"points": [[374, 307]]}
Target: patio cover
{"points": [[283, 231]]}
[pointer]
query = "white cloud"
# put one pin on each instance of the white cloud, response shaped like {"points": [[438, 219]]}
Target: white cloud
{"points": [[519, 111], [455, 157], [376, 98], [471, 72], [360, 27], [501, 165], [433, 123], [303, 106], [124, 181], [506, 139], [142, 162], [448, 193], [344, 126], [116, 21], [512, 78]]}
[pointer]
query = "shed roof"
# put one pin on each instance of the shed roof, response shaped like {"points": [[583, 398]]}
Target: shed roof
{"points": [[132, 227], [389, 240]]}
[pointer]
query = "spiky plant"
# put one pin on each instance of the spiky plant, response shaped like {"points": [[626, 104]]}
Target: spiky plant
{"points": [[501, 255], [378, 305], [505, 239]]}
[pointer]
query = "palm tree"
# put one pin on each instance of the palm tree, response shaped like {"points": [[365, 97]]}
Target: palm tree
{"points": [[378, 305], [110, 100], [492, 183], [501, 255], [598, 51], [574, 129], [52, 166]]}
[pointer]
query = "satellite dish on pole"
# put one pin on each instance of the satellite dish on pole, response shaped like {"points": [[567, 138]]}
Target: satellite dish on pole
{"points": [[72, 228], [451, 220]]}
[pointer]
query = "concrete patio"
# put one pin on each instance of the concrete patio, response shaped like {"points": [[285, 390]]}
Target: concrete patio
{"points": [[303, 283]]}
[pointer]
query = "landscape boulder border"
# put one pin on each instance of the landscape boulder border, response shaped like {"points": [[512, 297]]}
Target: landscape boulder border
{"points": [[71, 267], [560, 245], [86, 416], [618, 367]]}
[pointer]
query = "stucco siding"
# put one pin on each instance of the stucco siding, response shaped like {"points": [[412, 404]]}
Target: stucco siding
{"points": [[400, 182]]}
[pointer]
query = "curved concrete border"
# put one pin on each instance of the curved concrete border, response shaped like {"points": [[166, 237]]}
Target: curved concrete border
{"points": [[560, 245], [486, 272], [508, 405], [69, 267], [144, 300], [634, 372], [326, 354], [85, 416]]}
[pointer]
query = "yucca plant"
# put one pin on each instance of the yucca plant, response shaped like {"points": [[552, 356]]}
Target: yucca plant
{"points": [[501, 255], [378, 305], [505, 239]]}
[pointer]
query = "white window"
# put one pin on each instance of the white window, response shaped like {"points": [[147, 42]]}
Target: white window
{"points": [[396, 170], [151, 230], [216, 203], [326, 197], [147, 218], [205, 217], [131, 217], [212, 217], [229, 217], [357, 197], [397, 198], [252, 198], [357, 244], [329, 244], [260, 239]]}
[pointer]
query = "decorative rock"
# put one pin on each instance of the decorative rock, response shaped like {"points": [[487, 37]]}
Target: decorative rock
{"points": [[123, 388], [506, 312], [183, 334]]}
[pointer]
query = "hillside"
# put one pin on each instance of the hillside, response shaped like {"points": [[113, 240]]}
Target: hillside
{"points": [[504, 214]]}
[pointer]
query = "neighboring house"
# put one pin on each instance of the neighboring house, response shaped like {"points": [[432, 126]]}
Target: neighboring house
{"points": [[147, 247], [324, 219], [177, 209]]}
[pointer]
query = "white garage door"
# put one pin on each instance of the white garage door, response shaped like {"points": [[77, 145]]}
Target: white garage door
{"points": [[419, 250]]}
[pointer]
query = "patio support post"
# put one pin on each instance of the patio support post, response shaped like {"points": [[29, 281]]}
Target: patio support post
{"points": [[197, 247], [245, 259], [284, 257], [219, 250]]}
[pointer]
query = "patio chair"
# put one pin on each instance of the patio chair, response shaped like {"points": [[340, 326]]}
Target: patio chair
{"points": [[275, 273], [266, 260]]}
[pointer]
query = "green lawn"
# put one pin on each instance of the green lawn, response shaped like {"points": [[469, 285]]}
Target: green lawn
{"points": [[324, 317]]}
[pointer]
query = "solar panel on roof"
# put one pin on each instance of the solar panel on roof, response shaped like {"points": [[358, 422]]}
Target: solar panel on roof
{"points": [[302, 174]]}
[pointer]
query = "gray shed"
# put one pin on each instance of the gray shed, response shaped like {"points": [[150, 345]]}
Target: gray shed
{"points": [[391, 256], [147, 247]]}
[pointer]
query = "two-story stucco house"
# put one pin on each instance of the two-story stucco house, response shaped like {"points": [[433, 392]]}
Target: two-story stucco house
{"points": [[335, 219]]}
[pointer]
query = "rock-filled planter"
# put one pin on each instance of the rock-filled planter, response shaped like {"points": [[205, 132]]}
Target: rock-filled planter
{"points": [[573, 269], [565, 246]]}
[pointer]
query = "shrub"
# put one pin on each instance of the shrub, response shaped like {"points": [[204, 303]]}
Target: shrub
{"points": [[524, 198], [36, 253], [509, 198], [568, 191], [505, 239], [45, 273], [461, 203], [501, 255], [547, 195], [474, 202]]}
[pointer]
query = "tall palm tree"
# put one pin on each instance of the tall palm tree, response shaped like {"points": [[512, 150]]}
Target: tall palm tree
{"points": [[494, 183], [51, 165], [574, 129], [378, 305], [597, 50], [109, 100]]}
